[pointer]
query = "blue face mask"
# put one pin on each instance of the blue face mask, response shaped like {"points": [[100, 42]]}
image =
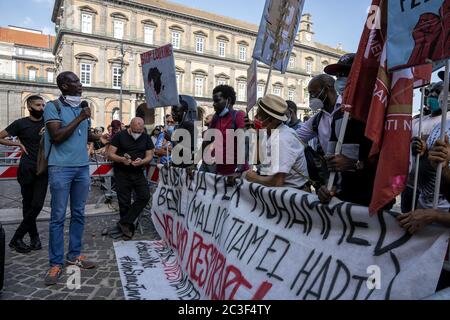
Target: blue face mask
{"points": [[433, 102], [170, 129], [340, 85], [224, 111]]}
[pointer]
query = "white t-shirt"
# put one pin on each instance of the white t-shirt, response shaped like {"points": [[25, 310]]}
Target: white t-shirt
{"points": [[285, 154], [428, 178]]}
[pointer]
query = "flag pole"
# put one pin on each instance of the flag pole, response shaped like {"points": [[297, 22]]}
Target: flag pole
{"points": [[416, 172], [338, 148], [443, 126]]}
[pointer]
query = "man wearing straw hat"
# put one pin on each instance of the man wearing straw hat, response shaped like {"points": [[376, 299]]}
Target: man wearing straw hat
{"points": [[284, 163]]}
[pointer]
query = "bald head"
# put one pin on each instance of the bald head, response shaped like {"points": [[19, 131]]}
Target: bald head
{"points": [[322, 80], [137, 125], [322, 88]]}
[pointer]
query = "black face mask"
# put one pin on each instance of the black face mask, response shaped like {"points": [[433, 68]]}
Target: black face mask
{"points": [[36, 113]]}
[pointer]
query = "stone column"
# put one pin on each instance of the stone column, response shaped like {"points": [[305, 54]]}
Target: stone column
{"points": [[4, 109], [233, 77], [188, 37], [101, 121], [211, 79], [70, 13], [133, 107], [133, 29], [233, 53], [68, 57], [212, 43], [103, 20], [187, 80], [101, 71], [132, 70], [14, 105], [163, 30]]}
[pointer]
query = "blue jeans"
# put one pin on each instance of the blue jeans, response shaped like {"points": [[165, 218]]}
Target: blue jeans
{"points": [[65, 181]]}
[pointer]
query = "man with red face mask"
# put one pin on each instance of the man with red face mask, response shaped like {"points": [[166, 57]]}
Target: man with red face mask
{"points": [[284, 163]]}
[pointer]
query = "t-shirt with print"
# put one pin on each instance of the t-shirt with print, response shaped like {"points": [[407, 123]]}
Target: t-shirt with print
{"points": [[427, 175], [285, 154], [27, 131], [73, 151], [125, 143]]}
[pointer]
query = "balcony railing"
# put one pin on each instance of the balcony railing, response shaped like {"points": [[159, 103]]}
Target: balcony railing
{"points": [[24, 78]]}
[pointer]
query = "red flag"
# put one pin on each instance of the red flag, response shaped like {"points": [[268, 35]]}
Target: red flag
{"points": [[389, 127], [362, 78]]}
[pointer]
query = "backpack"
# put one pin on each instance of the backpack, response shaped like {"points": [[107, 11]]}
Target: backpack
{"points": [[317, 166], [42, 159]]}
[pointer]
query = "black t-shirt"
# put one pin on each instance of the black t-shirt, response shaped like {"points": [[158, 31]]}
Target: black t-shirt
{"points": [[189, 126], [125, 143], [27, 131]]}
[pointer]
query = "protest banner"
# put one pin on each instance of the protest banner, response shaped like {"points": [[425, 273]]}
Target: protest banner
{"points": [[252, 242], [252, 75], [160, 83], [150, 271], [277, 31], [418, 32]]}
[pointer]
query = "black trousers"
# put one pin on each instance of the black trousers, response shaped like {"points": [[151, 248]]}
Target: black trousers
{"points": [[126, 183], [34, 190]]}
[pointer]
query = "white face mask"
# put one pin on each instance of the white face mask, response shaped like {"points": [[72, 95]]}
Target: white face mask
{"points": [[136, 135], [316, 104], [73, 101]]}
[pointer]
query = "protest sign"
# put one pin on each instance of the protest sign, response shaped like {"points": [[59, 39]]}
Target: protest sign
{"points": [[150, 271], [252, 73], [277, 32], [252, 242], [418, 32], [160, 83]]}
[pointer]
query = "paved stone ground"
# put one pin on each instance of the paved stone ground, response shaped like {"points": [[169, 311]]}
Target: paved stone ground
{"points": [[24, 273]]}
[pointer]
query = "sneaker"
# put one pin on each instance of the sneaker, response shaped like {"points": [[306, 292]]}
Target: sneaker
{"points": [[35, 243], [81, 262], [19, 246], [52, 276]]}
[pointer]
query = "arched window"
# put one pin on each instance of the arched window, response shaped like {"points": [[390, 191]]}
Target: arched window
{"points": [[116, 114]]}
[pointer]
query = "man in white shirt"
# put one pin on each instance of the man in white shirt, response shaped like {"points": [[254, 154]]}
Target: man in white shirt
{"points": [[324, 100], [284, 163]]}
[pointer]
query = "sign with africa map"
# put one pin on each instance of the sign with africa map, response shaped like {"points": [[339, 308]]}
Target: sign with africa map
{"points": [[160, 82], [418, 32]]}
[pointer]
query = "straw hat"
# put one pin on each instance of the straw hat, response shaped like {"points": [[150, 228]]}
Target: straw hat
{"points": [[274, 106]]}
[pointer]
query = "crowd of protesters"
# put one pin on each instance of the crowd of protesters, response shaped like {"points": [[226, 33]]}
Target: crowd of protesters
{"points": [[297, 154]]}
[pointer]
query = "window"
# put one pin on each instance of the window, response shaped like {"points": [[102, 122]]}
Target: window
{"points": [[221, 48], [176, 40], [292, 62], [260, 91], [85, 73], [199, 86], [32, 74], [116, 77], [50, 76], [199, 44], [86, 23], [291, 94], [149, 33], [277, 91], [118, 29], [242, 91], [309, 66], [221, 82], [242, 53]]}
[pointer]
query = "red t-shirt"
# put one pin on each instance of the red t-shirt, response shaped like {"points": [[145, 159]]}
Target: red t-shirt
{"points": [[222, 124]]}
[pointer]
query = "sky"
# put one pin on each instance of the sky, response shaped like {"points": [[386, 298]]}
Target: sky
{"points": [[334, 21]]}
